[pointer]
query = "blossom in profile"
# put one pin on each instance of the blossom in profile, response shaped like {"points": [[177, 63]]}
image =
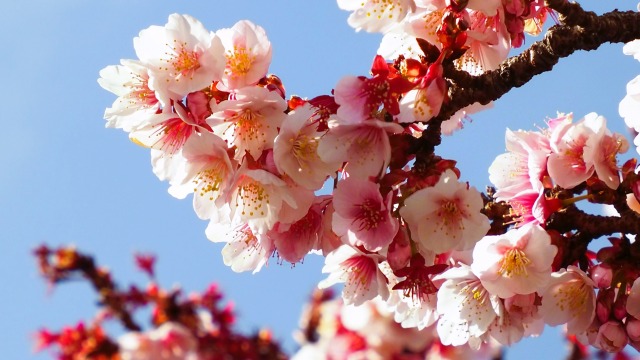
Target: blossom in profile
{"points": [[569, 299], [136, 103], [247, 55], [245, 250], [362, 216], [182, 57], [517, 262], [446, 216], [522, 167], [293, 241], [363, 280]]}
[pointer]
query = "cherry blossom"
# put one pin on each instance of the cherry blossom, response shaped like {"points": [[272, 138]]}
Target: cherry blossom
{"points": [[182, 57], [360, 98], [245, 250], [256, 197], [249, 120], [517, 262], [247, 53], [467, 309], [446, 216], [375, 15], [488, 42], [208, 172], [135, 102], [293, 241], [362, 216], [359, 272], [522, 167], [365, 147], [295, 149], [569, 298]]}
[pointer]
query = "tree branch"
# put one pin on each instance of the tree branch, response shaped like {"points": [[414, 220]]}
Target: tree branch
{"points": [[559, 41]]}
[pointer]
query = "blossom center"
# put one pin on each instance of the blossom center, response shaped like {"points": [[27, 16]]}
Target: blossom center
{"points": [[253, 196], [239, 61], [369, 215], [515, 262], [140, 93], [305, 147], [184, 62], [248, 126], [572, 297], [208, 182]]}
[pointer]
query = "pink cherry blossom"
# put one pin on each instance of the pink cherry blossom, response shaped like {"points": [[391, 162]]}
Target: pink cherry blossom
{"points": [[169, 131], [256, 197], [532, 206], [467, 309], [567, 164], [424, 102], [520, 317], [374, 15], [489, 43], [522, 167], [247, 53], [293, 241], [245, 250], [446, 216], [359, 272], [182, 57], [360, 98], [569, 298], [295, 149], [602, 151], [207, 173], [249, 120], [135, 102], [517, 262], [362, 216], [365, 147]]}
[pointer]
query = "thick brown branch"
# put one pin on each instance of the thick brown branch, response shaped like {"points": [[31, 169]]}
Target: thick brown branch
{"points": [[560, 41], [594, 226]]}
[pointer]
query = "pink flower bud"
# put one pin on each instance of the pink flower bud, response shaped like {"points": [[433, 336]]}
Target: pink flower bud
{"points": [[633, 329], [601, 275], [604, 303], [611, 337]]}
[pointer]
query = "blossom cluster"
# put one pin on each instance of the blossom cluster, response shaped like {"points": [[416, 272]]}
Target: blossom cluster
{"points": [[398, 224], [197, 327]]}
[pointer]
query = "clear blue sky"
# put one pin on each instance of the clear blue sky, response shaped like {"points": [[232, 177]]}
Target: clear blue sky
{"points": [[67, 179]]}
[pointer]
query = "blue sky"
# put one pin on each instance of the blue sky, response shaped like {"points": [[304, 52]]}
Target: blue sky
{"points": [[68, 180]]}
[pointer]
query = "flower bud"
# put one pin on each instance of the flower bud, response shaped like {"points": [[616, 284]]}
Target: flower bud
{"points": [[633, 329], [604, 303], [611, 337], [601, 275]]}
